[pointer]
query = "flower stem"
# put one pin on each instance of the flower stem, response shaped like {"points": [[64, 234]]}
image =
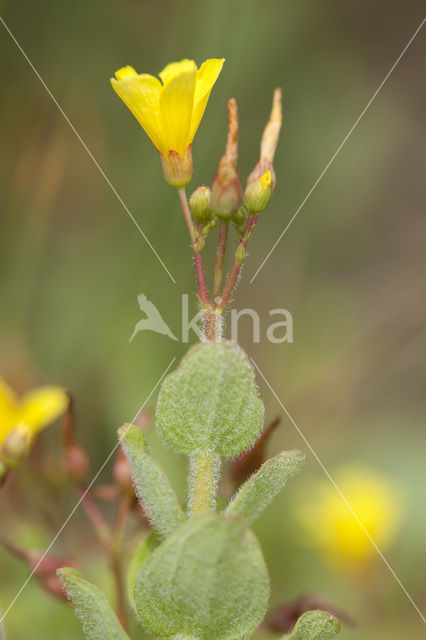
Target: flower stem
{"points": [[199, 269], [117, 560], [220, 257], [238, 261], [96, 518], [203, 476]]}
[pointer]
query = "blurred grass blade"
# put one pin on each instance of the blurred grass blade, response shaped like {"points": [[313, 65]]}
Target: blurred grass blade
{"points": [[259, 490], [314, 625], [152, 486], [98, 619]]}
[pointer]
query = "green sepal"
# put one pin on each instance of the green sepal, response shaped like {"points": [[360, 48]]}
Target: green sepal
{"points": [[208, 580], [211, 401], [140, 554], [91, 606], [154, 491], [314, 625], [259, 490]]}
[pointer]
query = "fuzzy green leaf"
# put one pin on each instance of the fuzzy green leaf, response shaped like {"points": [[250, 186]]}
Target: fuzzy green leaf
{"points": [[141, 553], [152, 486], [210, 401], [208, 580], [258, 491], [314, 625], [98, 619]]}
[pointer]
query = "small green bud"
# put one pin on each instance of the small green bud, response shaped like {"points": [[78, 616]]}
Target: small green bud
{"points": [[258, 193], [16, 445], [241, 253], [199, 244], [240, 216], [200, 204]]}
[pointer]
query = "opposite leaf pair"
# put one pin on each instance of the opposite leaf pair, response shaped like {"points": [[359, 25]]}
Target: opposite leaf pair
{"points": [[207, 580]]}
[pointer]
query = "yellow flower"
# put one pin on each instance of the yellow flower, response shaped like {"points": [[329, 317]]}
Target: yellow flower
{"points": [[334, 529], [170, 110], [21, 419]]}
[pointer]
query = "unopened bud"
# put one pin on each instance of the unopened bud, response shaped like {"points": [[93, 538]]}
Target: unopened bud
{"points": [[44, 567], [226, 188], [226, 196], [16, 445], [200, 204], [240, 216], [240, 253], [177, 169], [122, 473], [76, 463], [258, 193]]}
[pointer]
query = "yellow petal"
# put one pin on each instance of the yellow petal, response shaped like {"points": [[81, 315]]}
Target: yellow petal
{"points": [[141, 94], [176, 104], [40, 407], [7, 409], [176, 68], [207, 75], [7, 398], [125, 73]]}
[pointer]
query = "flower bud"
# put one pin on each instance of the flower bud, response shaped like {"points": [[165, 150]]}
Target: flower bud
{"points": [[240, 216], [200, 204], [44, 567], [258, 193], [226, 188], [16, 445], [226, 195], [240, 253], [122, 473], [76, 463], [177, 169]]}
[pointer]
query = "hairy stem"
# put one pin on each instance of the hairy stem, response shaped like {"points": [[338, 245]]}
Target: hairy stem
{"points": [[203, 477], [117, 560], [220, 257], [238, 262], [199, 269]]}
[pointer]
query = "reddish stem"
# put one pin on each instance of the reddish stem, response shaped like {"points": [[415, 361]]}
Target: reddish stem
{"points": [[96, 518], [199, 269], [220, 257], [237, 264]]}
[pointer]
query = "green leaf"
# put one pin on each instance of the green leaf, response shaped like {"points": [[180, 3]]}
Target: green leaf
{"points": [[211, 401], [152, 486], [142, 552], [258, 491], [314, 625], [208, 580], [92, 607]]}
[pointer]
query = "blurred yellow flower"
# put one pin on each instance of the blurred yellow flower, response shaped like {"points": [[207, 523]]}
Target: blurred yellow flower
{"points": [[171, 110], [332, 527], [21, 419]]}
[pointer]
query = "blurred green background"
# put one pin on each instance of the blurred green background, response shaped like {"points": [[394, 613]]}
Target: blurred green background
{"points": [[350, 270]]}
